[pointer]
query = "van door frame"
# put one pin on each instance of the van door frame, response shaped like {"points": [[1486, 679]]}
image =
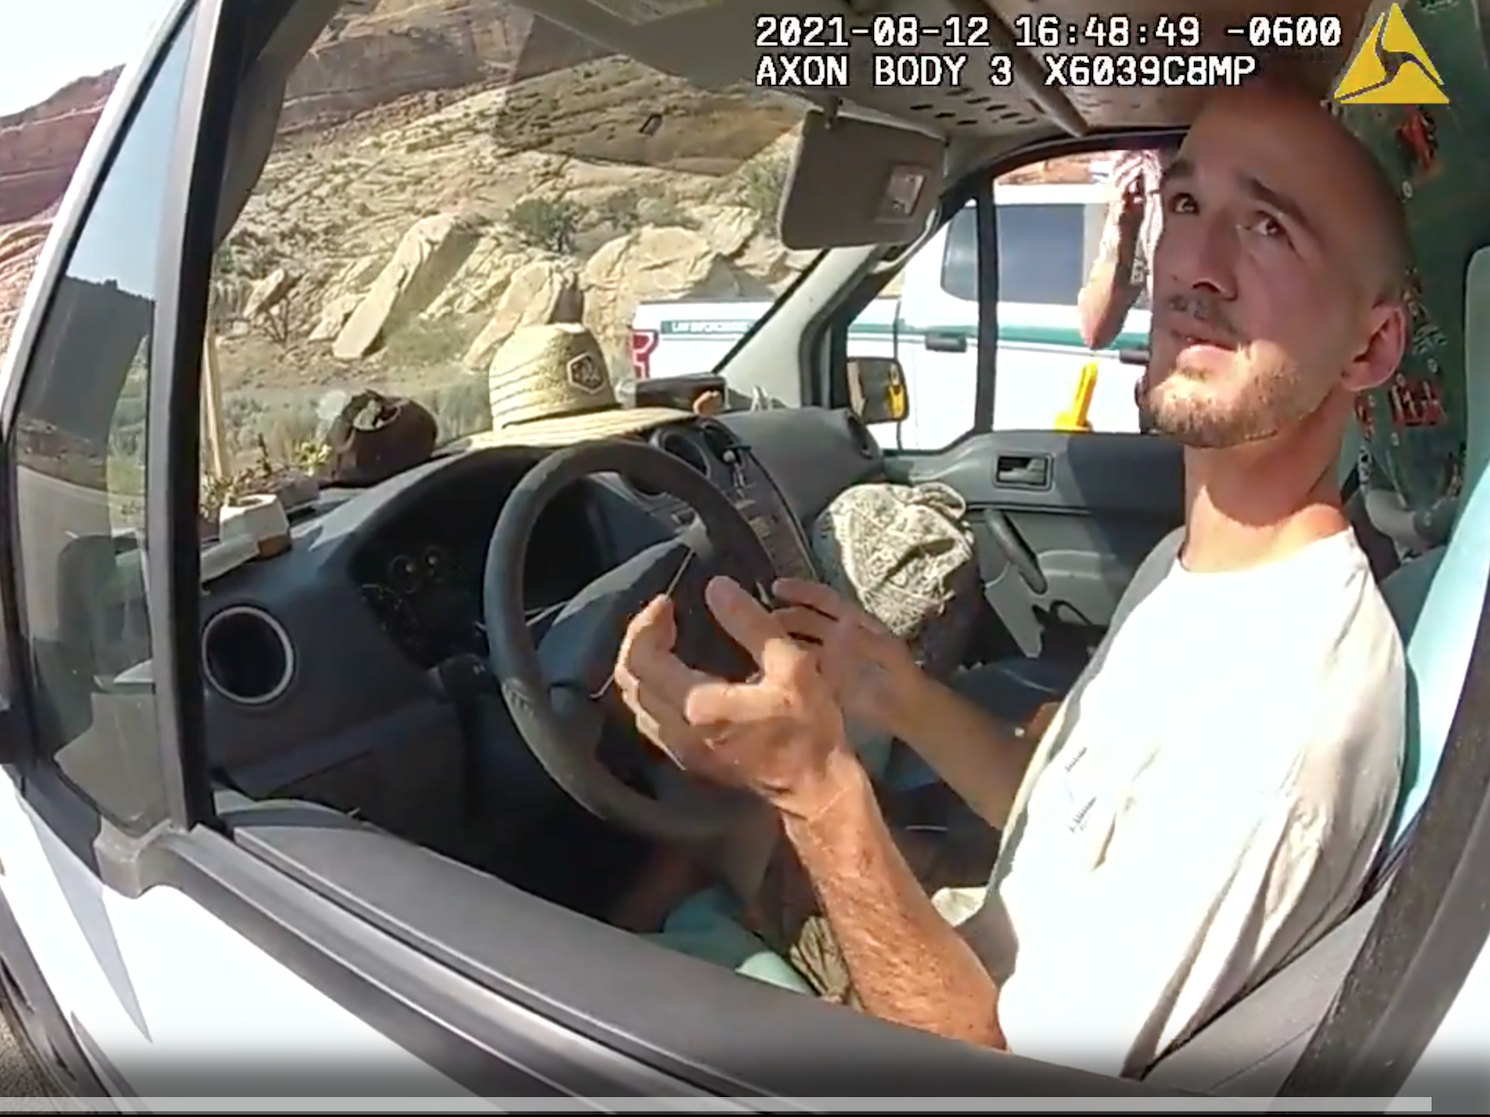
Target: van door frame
{"points": [[173, 599], [115, 857]]}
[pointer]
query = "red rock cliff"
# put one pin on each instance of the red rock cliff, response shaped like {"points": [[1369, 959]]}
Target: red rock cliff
{"points": [[39, 149], [376, 54], [40, 146]]}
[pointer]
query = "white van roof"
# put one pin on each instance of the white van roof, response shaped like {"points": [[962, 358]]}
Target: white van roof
{"points": [[1054, 193]]}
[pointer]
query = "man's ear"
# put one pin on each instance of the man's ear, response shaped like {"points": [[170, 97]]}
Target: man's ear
{"points": [[1382, 354]]}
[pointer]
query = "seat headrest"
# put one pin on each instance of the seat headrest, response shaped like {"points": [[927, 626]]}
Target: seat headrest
{"points": [[1416, 425]]}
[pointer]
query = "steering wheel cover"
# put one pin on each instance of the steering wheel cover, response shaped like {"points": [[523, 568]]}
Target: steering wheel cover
{"points": [[578, 769]]}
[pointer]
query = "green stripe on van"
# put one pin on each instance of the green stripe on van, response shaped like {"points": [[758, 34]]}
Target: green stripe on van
{"points": [[1009, 334], [1013, 333], [705, 327]]}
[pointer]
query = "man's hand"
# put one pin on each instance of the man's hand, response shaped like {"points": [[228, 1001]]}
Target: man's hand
{"points": [[1130, 195], [1110, 289], [870, 669], [780, 735]]}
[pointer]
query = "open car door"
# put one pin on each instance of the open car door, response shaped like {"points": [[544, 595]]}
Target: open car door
{"points": [[94, 604]]}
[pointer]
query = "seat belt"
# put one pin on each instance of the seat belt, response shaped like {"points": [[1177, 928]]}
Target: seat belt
{"points": [[1250, 1049], [1388, 864]]}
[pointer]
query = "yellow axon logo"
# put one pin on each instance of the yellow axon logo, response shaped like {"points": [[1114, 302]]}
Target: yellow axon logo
{"points": [[1391, 68]]}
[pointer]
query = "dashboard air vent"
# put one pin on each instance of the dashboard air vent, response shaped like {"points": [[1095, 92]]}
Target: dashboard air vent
{"points": [[685, 449], [247, 655]]}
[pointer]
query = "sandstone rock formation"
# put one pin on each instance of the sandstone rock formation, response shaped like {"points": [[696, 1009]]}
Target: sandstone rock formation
{"points": [[39, 149], [40, 146], [19, 247], [379, 53], [537, 294], [428, 255]]}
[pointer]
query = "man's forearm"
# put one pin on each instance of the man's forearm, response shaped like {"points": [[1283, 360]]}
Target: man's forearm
{"points": [[1109, 292], [980, 757], [907, 964]]}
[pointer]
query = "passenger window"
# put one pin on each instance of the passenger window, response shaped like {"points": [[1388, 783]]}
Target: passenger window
{"points": [[960, 256], [1051, 217], [78, 454], [1043, 251]]}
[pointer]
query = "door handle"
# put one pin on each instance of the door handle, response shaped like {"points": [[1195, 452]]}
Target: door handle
{"points": [[1022, 471], [946, 341]]}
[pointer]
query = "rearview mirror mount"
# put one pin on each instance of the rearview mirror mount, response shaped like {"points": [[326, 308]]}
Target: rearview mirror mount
{"points": [[877, 391]]}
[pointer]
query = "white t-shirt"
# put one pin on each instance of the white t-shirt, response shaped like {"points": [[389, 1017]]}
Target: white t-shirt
{"points": [[1209, 800]]}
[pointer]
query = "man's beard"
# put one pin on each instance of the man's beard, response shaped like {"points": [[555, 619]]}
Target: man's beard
{"points": [[1259, 404], [1263, 403]]}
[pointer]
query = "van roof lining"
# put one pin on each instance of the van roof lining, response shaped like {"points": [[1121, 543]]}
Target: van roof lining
{"points": [[973, 108], [969, 114]]}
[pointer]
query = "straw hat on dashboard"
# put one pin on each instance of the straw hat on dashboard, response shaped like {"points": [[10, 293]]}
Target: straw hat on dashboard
{"points": [[549, 386]]}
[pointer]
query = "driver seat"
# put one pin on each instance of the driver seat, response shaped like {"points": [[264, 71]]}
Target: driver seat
{"points": [[1251, 1047]]}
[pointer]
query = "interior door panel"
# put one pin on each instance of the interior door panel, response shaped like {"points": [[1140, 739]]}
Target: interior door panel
{"points": [[1061, 522]]}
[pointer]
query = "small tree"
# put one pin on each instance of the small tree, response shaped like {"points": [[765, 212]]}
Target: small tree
{"points": [[762, 182], [547, 223]]}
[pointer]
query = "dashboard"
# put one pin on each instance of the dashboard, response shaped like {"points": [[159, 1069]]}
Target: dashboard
{"points": [[326, 653], [421, 573], [721, 455]]}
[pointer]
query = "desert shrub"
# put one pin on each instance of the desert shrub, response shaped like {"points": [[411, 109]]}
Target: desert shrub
{"points": [[548, 223], [762, 182], [264, 471], [127, 434], [622, 210], [247, 253], [460, 408], [285, 431], [665, 211], [424, 342]]}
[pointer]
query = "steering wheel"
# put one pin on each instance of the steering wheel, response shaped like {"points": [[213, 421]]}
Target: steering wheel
{"points": [[554, 691]]}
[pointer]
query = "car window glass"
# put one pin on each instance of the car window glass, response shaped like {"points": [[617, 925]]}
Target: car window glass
{"points": [[413, 215], [78, 453], [1040, 253], [960, 256], [1043, 253], [1052, 215]]}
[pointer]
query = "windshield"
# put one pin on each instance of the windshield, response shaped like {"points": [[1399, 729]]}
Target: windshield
{"points": [[444, 173]]}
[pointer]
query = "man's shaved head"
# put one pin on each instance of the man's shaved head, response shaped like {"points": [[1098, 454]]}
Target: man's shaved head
{"points": [[1383, 227], [1280, 272]]}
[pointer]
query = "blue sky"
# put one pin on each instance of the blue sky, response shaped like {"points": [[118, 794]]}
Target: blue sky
{"points": [[44, 45]]}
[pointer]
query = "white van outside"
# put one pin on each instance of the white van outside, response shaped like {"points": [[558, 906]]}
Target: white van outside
{"points": [[1048, 237]]}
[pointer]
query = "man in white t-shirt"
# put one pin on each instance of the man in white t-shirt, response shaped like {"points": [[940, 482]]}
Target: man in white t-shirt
{"points": [[1212, 794]]}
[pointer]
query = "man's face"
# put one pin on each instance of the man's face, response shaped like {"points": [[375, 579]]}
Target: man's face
{"points": [[1264, 294]]}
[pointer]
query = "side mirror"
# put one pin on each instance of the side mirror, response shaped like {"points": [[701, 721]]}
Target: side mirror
{"points": [[876, 390]]}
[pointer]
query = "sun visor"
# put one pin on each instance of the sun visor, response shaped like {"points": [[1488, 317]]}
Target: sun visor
{"points": [[857, 182]]}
